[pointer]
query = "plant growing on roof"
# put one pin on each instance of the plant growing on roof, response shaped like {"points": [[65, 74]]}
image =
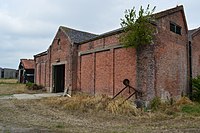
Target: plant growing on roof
{"points": [[138, 29]]}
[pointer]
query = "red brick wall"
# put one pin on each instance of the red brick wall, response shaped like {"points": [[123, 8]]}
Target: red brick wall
{"points": [[87, 73], [41, 70], [102, 72], [171, 58], [196, 55], [161, 68], [124, 68], [61, 54], [58, 54]]}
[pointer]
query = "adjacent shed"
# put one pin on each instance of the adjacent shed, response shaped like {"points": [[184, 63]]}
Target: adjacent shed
{"points": [[26, 71], [1, 71], [9, 73], [194, 52]]}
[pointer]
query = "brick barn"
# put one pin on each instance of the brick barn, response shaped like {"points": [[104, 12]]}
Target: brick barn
{"points": [[194, 43], [98, 64], [56, 68], [26, 71]]}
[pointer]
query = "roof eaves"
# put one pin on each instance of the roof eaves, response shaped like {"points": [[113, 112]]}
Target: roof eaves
{"points": [[194, 32], [41, 54]]}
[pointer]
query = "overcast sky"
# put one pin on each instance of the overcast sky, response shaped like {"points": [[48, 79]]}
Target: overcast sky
{"points": [[27, 27]]}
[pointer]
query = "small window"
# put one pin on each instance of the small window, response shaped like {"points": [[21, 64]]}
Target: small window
{"points": [[59, 41], [59, 46], [175, 28]]}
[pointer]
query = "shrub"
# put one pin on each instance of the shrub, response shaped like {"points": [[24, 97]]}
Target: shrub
{"points": [[138, 29], [32, 86], [196, 89], [155, 103]]}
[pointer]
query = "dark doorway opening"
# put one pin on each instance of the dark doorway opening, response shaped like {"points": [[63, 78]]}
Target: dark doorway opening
{"points": [[59, 78]]}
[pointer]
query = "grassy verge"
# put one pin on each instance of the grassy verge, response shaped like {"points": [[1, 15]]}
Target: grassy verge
{"points": [[193, 110], [8, 81], [10, 86]]}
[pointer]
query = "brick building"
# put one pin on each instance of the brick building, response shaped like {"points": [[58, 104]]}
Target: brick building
{"points": [[98, 64], [26, 71], [194, 51], [56, 68]]}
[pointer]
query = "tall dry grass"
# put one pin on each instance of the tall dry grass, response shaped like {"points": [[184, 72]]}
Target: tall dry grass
{"points": [[93, 104]]}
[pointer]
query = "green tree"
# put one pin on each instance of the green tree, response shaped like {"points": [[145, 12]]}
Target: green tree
{"points": [[138, 29]]}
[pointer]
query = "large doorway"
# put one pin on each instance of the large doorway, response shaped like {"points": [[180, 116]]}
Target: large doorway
{"points": [[58, 78]]}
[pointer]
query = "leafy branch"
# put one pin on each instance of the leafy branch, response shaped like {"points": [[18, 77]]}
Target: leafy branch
{"points": [[138, 29]]}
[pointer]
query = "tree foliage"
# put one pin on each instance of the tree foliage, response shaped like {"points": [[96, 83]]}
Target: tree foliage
{"points": [[138, 29]]}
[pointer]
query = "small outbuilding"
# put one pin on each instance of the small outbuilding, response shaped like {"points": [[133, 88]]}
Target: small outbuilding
{"points": [[9, 73], [1, 70], [26, 71]]}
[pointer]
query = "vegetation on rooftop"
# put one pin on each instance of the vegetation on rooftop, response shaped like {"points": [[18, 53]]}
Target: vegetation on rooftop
{"points": [[138, 28]]}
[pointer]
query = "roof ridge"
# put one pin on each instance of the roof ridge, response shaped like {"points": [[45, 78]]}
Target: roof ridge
{"points": [[168, 11], [64, 27], [77, 36]]}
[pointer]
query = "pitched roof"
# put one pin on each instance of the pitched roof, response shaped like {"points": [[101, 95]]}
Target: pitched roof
{"points": [[77, 36], [28, 63], [171, 11], [168, 11]]}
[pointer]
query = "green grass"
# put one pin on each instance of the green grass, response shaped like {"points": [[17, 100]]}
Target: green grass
{"points": [[191, 109], [10, 86], [8, 81], [2, 95]]}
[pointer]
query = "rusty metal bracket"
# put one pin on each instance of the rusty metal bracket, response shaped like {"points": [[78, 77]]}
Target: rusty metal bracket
{"points": [[136, 92]]}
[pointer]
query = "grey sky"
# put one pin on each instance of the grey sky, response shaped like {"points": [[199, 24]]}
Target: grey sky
{"points": [[27, 27]]}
